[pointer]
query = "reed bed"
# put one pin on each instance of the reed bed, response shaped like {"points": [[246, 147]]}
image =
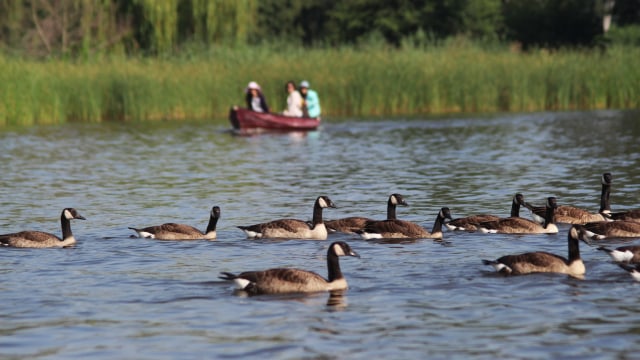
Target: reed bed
{"points": [[350, 82]]}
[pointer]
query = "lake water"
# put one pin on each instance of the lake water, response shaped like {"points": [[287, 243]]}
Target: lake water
{"points": [[117, 297]]}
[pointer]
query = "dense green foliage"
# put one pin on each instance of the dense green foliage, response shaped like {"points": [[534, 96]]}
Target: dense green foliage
{"points": [[458, 77], [87, 28]]}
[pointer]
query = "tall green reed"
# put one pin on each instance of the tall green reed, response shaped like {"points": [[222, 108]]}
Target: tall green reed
{"points": [[373, 81]]}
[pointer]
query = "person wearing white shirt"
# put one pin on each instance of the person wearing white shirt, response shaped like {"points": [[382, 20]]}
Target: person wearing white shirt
{"points": [[294, 101]]}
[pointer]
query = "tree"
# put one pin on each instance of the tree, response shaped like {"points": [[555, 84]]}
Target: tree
{"points": [[553, 23], [61, 27], [626, 12]]}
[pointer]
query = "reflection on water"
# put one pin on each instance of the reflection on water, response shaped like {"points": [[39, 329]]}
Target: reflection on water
{"points": [[337, 300], [113, 296]]}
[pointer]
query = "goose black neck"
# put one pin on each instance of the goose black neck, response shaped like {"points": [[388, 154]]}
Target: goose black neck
{"points": [[437, 226], [317, 215], [66, 226], [515, 208], [213, 221], [574, 248], [391, 210], [333, 265], [549, 216], [605, 205]]}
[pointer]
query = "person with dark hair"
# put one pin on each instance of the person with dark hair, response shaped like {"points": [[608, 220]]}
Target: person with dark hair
{"points": [[255, 99], [294, 101]]}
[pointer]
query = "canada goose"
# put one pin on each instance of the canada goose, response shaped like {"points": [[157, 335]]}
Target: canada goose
{"points": [[470, 223], [293, 228], [282, 280], [634, 271], [540, 261], [624, 254], [39, 239], [611, 229], [400, 229], [573, 215], [625, 215], [351, 224], [518, 225], [172, 231]]}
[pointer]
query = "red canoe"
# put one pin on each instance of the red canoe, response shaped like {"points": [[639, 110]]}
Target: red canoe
{"points": [[247, 121]]}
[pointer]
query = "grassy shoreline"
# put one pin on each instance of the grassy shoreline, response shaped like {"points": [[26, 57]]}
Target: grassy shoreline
{"points": [[350, 82]]}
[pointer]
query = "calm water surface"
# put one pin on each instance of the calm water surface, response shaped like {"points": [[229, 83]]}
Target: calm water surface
{"points": [[114, 296]]}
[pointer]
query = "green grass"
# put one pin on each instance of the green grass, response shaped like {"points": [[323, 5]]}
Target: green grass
{"points": [[350, 82]]}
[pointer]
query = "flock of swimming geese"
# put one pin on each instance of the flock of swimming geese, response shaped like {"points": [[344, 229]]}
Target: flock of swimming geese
{"points": [[586, 226]]}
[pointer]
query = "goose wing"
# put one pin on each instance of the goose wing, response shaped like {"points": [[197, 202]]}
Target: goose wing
{"points": [[538, 259], [510, 225], [614, 228], [574, 215], [177, 229], [348, 224], [279, 280], [35, 236], [469, 223], [395, 228], [169, 231], [532, 262], [289, 225], [277, 228]]}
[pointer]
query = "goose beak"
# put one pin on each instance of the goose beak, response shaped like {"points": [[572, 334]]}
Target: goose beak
{"points": [[80, 217], [354, 254]]}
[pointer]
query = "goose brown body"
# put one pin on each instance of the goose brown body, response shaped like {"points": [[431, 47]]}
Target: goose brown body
{"points": [[540, 261], [284, 280], [293, 228], [573, 215], [400, 229], [353, 224], [173, 231], [611, 229], [39, 239], [470, 223], [518, 225]]}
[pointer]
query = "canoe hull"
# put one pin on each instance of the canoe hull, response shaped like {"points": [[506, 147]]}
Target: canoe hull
{"points": [[247, 121]]}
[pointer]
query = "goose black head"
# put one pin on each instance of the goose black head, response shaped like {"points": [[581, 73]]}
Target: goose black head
{"points": [[71, 213], [341, 248], [397, 199], [325, 202]]}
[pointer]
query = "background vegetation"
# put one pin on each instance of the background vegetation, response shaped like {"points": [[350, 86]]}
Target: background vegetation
{"points": [[82, 60]]}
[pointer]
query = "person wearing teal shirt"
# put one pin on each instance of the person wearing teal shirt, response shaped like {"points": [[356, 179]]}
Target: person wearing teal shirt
{"points": [[311, 100]]}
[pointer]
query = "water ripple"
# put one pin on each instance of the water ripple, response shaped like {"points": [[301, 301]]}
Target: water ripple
{"points": [[114, 296]]}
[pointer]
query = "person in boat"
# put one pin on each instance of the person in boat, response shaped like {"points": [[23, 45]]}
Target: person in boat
{"points": [[311, 102], [255, 99], [294, 101]]}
